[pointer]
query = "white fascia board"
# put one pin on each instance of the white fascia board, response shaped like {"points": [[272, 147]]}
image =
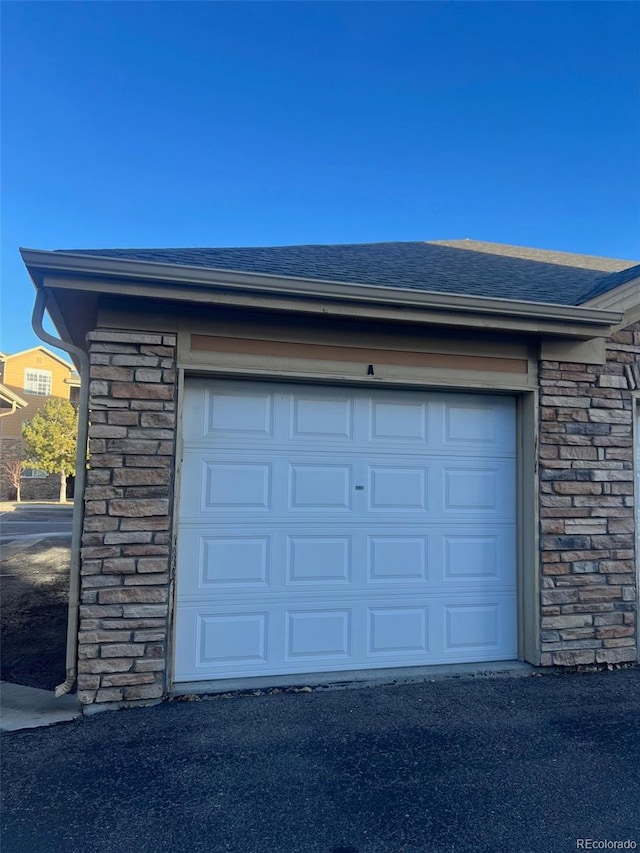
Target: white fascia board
{"points": [[621, 298], [156, 275], [11, 397]]}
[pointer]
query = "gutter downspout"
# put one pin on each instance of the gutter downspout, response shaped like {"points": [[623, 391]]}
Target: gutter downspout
{"points": [[14, 409], [78, 502]]}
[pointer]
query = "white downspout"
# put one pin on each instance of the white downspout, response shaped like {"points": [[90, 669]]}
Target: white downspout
{"points": [[14, 409], [78, 502]]}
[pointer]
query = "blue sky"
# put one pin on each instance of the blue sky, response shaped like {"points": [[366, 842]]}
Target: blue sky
{"points": [[268, 123]]}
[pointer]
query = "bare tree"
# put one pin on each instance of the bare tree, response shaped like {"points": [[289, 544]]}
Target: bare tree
{"points": [[13, 470]]}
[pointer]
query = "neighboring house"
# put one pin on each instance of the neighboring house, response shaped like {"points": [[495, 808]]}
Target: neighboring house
{"points": [[30, 378], [327, 459]]}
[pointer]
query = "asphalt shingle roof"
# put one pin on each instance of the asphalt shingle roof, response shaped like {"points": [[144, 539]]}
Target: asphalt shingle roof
{"points": [[463, 267]]}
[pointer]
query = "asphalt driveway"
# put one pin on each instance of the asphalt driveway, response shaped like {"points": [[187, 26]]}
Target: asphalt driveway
{"points": [[471, 764], [34, 591]]}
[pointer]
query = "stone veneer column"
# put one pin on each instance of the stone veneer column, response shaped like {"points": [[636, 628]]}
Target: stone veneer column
{"points": [[126, 539], [589, 596]]}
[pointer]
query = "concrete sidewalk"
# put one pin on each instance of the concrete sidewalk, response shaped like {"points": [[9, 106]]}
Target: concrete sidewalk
{"points": [[12, 506], [29, 708], [24, 524]]}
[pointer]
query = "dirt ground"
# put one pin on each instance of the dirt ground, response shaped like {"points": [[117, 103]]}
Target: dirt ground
{"points": [[34, 590]]}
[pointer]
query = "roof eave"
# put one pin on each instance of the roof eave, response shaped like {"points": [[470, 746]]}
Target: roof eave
{"points": [[621, 298], [10, 397], [157, 280], [33, 349]]}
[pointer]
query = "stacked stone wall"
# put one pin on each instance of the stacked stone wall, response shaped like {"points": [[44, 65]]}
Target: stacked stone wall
{"points": [[588, 587], [40, 488], [10, 452], [126, 543]]}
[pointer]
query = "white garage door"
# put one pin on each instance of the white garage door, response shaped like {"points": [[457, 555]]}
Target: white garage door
{"points": [[326, 529]]}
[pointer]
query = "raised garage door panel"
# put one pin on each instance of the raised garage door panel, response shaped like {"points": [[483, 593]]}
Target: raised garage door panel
{"points": [[328, 529]]}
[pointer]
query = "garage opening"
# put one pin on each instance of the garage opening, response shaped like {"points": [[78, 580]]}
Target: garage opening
{"points": [[324, 529]]}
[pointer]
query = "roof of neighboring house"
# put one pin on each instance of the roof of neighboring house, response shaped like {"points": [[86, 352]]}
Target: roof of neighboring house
{"points": [[9, 397], [461, 267], [6, 357]]}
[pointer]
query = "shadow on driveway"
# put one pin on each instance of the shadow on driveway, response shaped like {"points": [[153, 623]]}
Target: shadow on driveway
{"points": [[34, 593], [469, 765]]}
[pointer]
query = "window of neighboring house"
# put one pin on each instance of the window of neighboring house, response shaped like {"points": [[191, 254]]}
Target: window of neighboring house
{"points": [[37, 382], [33, 474]]}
